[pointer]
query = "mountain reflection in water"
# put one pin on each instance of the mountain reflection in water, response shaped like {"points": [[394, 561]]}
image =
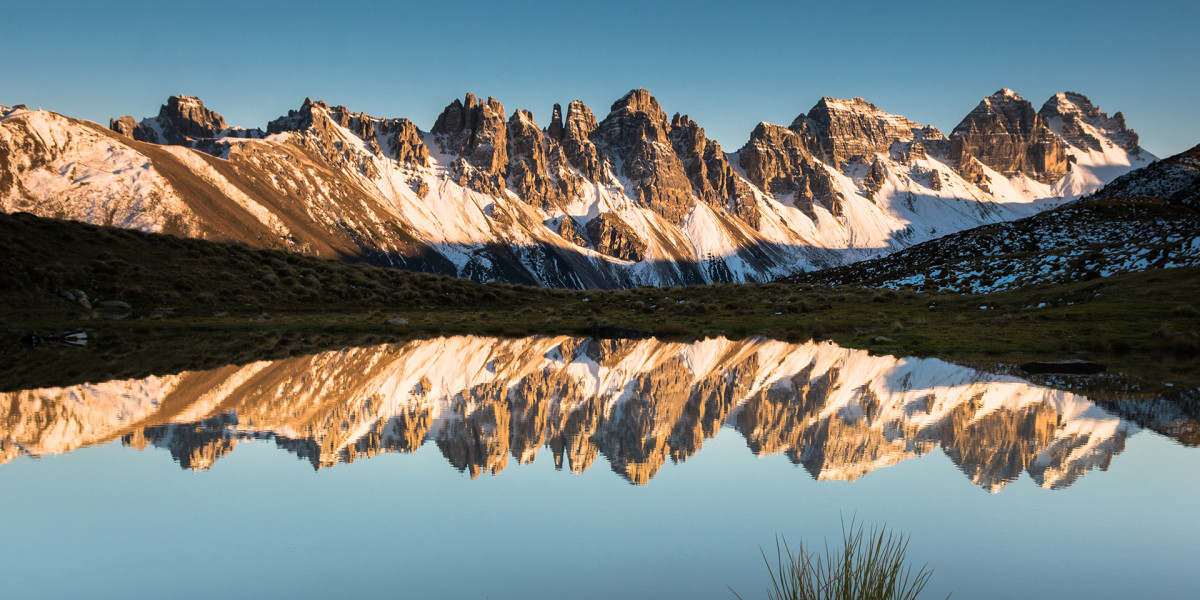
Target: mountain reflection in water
{"points": [[837, 412]]}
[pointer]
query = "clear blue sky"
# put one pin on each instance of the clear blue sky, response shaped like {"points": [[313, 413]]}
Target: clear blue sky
{"points": [[727, 64]]}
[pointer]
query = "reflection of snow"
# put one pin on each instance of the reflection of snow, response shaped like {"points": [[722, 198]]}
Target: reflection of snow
{"points": [[840, 412]]}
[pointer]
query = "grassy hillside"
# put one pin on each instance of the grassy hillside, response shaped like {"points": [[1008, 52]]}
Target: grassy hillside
{"points": [[203, 302]]}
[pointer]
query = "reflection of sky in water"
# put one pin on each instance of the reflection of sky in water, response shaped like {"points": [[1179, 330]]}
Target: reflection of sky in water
{"points": [[108, 521]]}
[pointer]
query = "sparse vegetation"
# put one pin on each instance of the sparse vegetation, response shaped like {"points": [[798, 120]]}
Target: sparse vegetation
{"points": [[870, 565]]}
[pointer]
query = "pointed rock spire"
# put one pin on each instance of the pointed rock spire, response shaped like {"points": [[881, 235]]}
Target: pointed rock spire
{"points": [[556, 125]]}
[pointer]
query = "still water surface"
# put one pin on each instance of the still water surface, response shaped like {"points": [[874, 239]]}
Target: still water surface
{"points": [[554, 467]]}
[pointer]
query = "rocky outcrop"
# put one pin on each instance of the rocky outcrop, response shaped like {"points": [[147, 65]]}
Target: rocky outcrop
{"points": [[397, 138], [555, 131], [612, 236], [1175, 179], [527, 174], [636, 132], [780, 161], [927, 143], [476, 132], [406, 144], [876, 177], [183, 121], [571, 231], [317, 123], [127, 127], [846, 129], [185, 118], [575, 138], [1004, 133], [1083, 125], [713, 179]]}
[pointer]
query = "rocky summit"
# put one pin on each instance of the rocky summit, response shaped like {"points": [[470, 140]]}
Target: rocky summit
{"points": [[641, 196]]}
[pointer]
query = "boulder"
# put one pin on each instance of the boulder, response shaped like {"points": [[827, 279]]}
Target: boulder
{"points": [[77, 296], [571, 231]]}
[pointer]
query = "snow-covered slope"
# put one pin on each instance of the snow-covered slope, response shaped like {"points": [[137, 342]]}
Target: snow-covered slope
{"points": [[1145, 219], [633, 199], [839, 413]]}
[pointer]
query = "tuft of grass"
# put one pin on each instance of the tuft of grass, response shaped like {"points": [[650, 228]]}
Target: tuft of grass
{"points": [[872, 564]]}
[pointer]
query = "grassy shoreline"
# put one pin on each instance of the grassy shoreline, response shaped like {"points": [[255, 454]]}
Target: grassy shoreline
{"points": [[1144, 324]]}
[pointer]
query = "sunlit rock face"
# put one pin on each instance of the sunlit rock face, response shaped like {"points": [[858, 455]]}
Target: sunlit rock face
{"points": [[1005, 134], [485, 403]]}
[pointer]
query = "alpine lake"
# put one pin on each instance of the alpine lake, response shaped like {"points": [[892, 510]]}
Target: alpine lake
{"points": [[568, 467]]}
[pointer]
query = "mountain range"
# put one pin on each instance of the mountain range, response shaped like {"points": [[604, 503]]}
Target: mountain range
{"points": [[634, 198]]}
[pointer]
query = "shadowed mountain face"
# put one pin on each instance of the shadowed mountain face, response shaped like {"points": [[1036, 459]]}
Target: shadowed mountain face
{"points": [[634, 197], [485, 401]]}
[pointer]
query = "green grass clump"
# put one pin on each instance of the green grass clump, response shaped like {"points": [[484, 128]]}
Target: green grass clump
{"points": [[871, 565]]}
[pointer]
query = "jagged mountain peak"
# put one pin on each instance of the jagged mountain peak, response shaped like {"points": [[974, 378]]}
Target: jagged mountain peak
{"points": [[854, 128], [855, 104], [1004, 105], [1070, 102], [467, 114], [477, 133], [639, 101], [555, 130], [1083, 125], [636, 134], [183, 121], [1004, 133], [580, 123], [635, 116], [397, 138], [191, 117], [523, 116]]}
